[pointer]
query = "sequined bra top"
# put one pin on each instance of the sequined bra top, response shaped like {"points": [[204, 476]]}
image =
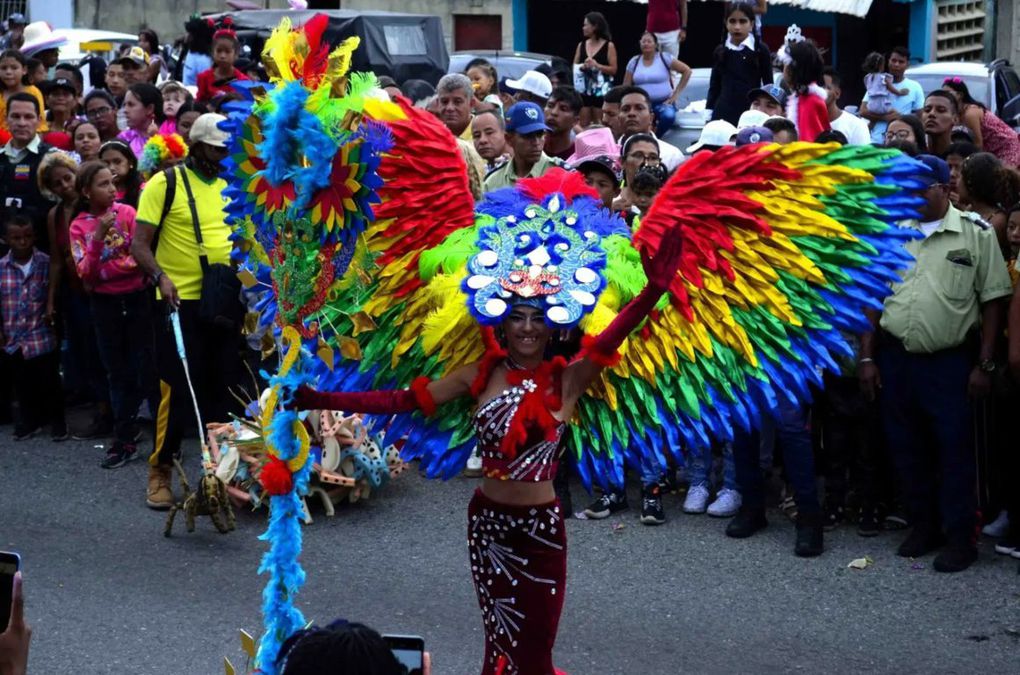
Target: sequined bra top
{"points": [[535, 462]]}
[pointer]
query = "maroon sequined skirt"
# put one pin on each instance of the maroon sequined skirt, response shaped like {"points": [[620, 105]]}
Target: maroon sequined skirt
{"points": [[519, 566]]}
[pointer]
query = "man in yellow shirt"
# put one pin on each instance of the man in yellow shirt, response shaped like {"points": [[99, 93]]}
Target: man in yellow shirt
{"points": [[525, 134], [933, 348], [175, 268]]}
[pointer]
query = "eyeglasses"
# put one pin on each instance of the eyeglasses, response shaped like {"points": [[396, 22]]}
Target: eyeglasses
{"points": [[901, 135], [98, 112], [650, 158]]}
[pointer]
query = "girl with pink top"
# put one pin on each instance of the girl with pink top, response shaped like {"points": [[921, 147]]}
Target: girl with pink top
{"points": [[143, 113], [101, 235]]}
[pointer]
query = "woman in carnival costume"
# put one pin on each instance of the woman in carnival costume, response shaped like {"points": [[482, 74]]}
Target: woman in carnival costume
{"points": [[380, 269]]}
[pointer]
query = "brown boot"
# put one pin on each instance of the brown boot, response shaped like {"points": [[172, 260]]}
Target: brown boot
{"points": [[159, 496]]}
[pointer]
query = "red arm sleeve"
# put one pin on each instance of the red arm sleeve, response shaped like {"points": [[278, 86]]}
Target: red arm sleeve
{"points": [[371, 402], [602, 348]]}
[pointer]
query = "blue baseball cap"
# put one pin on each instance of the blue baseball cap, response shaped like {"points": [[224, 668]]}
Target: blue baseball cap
{"points": [[939, 170], [525, 118], [751, 135], [773, 91]]}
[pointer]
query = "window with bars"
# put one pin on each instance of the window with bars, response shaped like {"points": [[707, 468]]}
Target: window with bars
{"points": [[8, 7], [960, 30]]}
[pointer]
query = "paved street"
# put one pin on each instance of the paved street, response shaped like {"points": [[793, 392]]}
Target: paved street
{"points": [[106, 593]]}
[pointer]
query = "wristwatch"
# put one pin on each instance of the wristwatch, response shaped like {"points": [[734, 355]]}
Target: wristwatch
{"points": [[987, 366]]}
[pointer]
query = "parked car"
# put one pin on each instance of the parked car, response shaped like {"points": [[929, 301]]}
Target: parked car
{"points": [[995, 85], [691, 115], [84, 41], [507, 63]]}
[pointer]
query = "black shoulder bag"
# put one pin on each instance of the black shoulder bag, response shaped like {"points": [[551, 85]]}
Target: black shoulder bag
{"points": [[220, 303]]}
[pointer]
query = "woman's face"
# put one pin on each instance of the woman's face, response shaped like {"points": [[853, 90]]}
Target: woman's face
{"points": [[184, 123], [898, 130], [60, 101], [639, 152], [60, 181], [137, 115], [117, 163], [86, 141], [103, 116], [648, 45], [939, 116], [11, 72], [527, 333], [1013, 229], [587, 29], [481, 81], [102, 191]]}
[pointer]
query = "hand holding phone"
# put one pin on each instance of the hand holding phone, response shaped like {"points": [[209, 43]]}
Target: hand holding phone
{"points": [[410, 652], [16, 635]]}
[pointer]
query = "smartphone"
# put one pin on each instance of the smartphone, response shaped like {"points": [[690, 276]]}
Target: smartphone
{"points": [[409, 650], [9, 564]]}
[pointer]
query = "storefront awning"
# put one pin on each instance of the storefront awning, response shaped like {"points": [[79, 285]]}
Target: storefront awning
{"points": [[854, 7]]}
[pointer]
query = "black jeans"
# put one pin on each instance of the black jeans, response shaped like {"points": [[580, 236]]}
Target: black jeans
{"points": [[928, 422], [37, 391], [214, 362], [123, 327]]}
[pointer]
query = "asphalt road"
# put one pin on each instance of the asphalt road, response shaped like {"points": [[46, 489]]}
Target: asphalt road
{"points": [[107, 593]]}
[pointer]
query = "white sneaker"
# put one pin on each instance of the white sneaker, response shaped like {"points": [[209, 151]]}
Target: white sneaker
{"points": [[474, 465], [726, 504], [697, 499], [998, 527]]}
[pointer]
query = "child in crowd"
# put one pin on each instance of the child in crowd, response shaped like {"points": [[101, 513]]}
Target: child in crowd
{"points": [[807, 106], [987, 187], [13, 70], [162, 151], [698, 472], [186, 116], [198, 43], [28, 340], [483, 78], [67, 303], [603, 174], [124, 165], [879, 85], [143, 111], [86, 141], [175, 95], [742, 63], [101, 237], [216, 80], [647, 182], [35, 73]]}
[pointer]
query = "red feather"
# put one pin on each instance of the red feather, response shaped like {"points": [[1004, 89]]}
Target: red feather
{"points": [[275, 477], [568, 183], [318, 52]]}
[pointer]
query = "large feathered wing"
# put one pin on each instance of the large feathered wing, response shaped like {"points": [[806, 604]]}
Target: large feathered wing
{"points": [[784, 249], [398, 316]]}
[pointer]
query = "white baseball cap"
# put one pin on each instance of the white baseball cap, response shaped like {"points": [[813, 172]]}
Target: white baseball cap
{"points": [[532, 82], [715, 133], [751, 118], [206, 129]]}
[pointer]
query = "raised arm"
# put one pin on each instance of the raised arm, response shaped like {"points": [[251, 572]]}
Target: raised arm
{"points": [[600, 351], [423, 395]]}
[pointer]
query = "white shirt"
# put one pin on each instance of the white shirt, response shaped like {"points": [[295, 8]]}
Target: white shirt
{"points": [[854, 128], [670, 155], [25, 267], [929, 227], [748, 42]]}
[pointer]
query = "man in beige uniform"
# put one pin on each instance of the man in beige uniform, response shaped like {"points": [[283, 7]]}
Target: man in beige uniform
{"points": [[934, 348]]}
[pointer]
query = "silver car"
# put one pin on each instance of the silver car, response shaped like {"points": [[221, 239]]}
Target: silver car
{"points": [[995, 85]]}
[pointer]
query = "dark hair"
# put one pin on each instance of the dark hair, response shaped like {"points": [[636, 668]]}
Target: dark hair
{"points": [[873, 63], [745, 8], [132, 181], [914, 122], [567, 95], [960, 87], [74, 70], [230, 37], [837, 80], [16, 219], [778, 124], [417, 90], [484, 64], [148, 94], [989, 180], [201, 32], [30, 66], [627, 91], [649, 177], [360, 648], [655, 38], [900, 50], [99, 93], [598, 20], [192, 106], [962, 148], [908, 148], [806, 65], [152, 38], [86, 174], [615, 94], [832, 136], [942, 93], [24, 97]]}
